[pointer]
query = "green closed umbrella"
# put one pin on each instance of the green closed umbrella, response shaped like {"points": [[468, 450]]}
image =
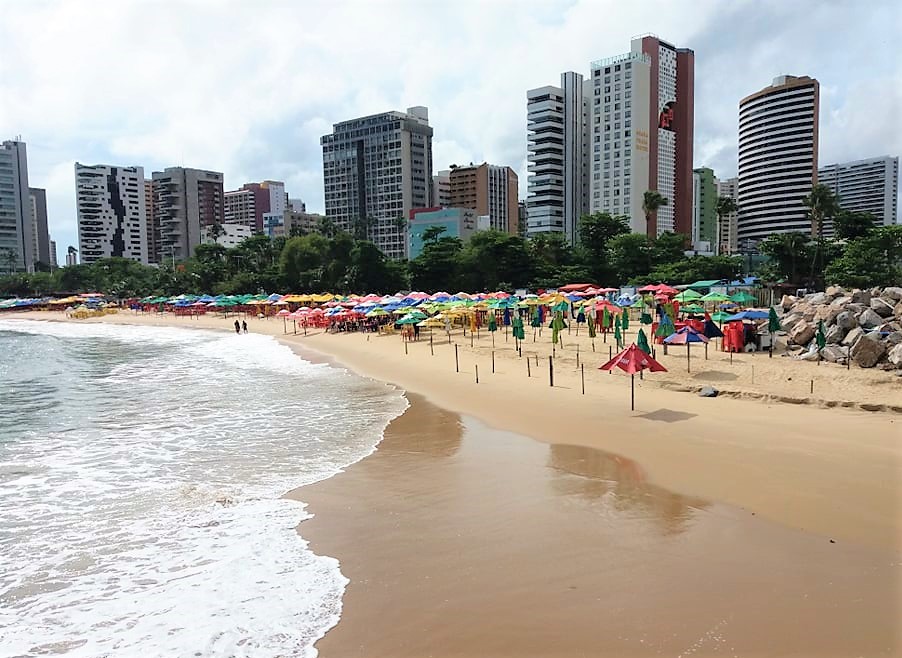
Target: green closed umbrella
{"points": [[642, 342], [536, 319], [645, 318], [557, 324], [625, 320], [665, 327], [518, 328], [618, 337], [606, 319], [773, 322], [821, 336], [493, 324], [590, 321]]}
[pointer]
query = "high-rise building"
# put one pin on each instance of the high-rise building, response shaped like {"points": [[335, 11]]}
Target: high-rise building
{"points": [[186, 203], [870, 186], [16, 240], [557, 124], [704, 208], [727, 240], [441, 189], [490, 190], [40, 235], [376, 169], [245, 206], [643, 117], [455, 222], [778, 140], [112, 218], [71, 256], [153, 229], [277, 205], [53, 263]]}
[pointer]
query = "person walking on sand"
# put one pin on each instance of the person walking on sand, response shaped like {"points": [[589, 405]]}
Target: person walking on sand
{"points": [[237, 327], [244, 326]]}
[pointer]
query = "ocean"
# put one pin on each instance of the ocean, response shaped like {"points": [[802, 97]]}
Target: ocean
{"points": [[142, 471]]}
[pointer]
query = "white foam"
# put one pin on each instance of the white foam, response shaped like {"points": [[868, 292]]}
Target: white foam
{"points": [[148, 517]]}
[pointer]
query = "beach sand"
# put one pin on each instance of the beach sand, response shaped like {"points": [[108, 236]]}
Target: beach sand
{"points": [[691, 526]]}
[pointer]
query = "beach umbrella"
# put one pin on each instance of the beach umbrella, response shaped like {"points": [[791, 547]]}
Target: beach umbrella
{"points": [[625, 320], [633, 360], [742, 297], [536, 320], [821, 336], [590, 321], [557, 324], [748, 315], [773, 322], [606, 318], [618, 337], [715, 297], [692, 308], [686, 336], [711, 330], [518, 328], [720, 316], [493, 323], [665, 327], [642, 342], [687, 296]]}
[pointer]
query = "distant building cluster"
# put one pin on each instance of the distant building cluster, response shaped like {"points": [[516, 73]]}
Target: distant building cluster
{"points": [[595, 143]]}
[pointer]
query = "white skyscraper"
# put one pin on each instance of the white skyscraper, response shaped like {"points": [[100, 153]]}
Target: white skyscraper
{"points": [[870, 186], [16, 239], [112, 216]]}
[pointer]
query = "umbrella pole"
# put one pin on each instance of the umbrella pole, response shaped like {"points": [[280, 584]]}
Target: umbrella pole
{"points": [[550, 371], [687, 357], [493, 362], [706, 351], [456, 361], [632, 392], [431, 349], [582, 377]]}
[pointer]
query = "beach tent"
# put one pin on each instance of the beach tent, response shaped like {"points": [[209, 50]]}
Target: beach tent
{"points": [[633, 360]]}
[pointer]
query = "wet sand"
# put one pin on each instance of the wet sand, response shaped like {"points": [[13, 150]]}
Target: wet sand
{"points": [[460, 540]]}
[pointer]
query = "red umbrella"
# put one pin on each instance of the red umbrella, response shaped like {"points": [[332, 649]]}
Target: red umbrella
{"points": [[633, 360]]}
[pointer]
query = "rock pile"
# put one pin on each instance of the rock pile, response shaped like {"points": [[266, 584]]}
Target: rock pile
{"points": [[864, 325]]}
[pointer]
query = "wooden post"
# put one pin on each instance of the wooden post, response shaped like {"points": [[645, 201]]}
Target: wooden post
{"points": [[493, 362], [405, 347], [632, 392], [528, 369], [753, 374], [688, 363], [582, 377], [577, 356], [593, 344], [431, 349], [706, 351], [471, 339], [550, 371], [477, 371], [456, 361], [812, 386]]}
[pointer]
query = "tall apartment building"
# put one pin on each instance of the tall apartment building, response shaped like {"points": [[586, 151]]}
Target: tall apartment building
{"points": [[186, 203], [376, 169], [778, 140], [71, 256], [704, 208], [40, 235], [490, 190], [870, 186], [112, 216], [598, 145], [53, 263], [16, 239], [727, 237], [441, 189], [557, 124], [152, 227]]}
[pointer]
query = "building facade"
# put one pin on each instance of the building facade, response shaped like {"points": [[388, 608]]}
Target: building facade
{"points": [[727, 237], [778, 142], [16, 240], [112, 218], [299, 222], [456, 222], [704, 209], [490, 190], [557, 124], [441, 188], [53, 263], [40, 235], [186, 203], [153, 229], [376, 169], [231, 235], [870, 186]]}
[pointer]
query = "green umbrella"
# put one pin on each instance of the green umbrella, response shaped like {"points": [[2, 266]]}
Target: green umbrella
{"points": [[742, 297], [590, 321], [536, 320], [556, 325], [561, 306], [665, 327], [645, 318], [720, 316], [625, 320], [493, 323], [687, 296], [773, 322], [517, 325], [606, 318], [618, 337], [642, 342], [715, 297], [821, 336], [409, 319], [692, 308]]}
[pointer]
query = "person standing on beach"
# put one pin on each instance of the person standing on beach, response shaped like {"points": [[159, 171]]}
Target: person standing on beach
{"points": [[237, 327], [244, 326]]}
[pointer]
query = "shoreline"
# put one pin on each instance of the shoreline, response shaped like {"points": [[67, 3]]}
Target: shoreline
{"points": [[836, 473]]}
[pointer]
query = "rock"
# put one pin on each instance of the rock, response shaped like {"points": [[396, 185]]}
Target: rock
{"points": [[787, 301], [835, 353], [881, 307], [861, 297], [840, 302], [894, 338], [835, 334], [827, 314], [866, 352], [854, 334], [835, 291], [869, 319], [898, 310], [854, 308], [846, 320], [802, 333], [790, 321], [893, 293], [895, 355], [708, 392], [817, 299]]}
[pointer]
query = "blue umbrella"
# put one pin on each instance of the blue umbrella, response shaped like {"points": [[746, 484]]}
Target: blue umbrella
{"points": [[686, 336], [748, 315]]}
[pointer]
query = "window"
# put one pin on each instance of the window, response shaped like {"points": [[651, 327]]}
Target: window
{"points": [[607, 147], [617, 68], [607, 89], [616, 106], [607, 69], [607, 99]]}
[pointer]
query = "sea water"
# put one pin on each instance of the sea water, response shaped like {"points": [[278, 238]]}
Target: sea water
{"points": [[142, 471]]}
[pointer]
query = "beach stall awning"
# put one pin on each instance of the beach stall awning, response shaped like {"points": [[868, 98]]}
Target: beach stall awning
{"points": [[706, 284]]}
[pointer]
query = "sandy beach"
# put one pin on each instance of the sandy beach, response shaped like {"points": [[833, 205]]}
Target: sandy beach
{"points": [[691, 526]]}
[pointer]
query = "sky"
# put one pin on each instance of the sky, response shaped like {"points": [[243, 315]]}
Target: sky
{"points": [[248, 88]]}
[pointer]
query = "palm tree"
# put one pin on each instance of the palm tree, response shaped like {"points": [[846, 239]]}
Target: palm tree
{"points": [[823, 205], [725, 206], [651, 201]]}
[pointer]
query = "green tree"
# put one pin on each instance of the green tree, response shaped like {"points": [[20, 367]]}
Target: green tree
{"points": [[595, 232], [302, 261], [822, 206], [494, 257], [668, 248], [789, 252], [215, 231], [872, 260], [651, 201], [852, 224], [437, 266], [629, 255]]}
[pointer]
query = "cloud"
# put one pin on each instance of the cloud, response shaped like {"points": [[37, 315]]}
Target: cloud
{"points": [[249, 88]]}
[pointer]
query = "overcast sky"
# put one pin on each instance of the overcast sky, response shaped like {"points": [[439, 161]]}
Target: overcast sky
{"points": [[248, 88]]}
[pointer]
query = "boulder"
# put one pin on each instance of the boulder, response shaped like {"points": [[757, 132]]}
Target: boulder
{"points": [[869, 319], [840, 302], [708, 392], [861, 297], [854, 308], [846, 320], [895, 355], [835, 353], [790, 321], [802, 333], [898, 310], [882, 307], [853, 335], [816, 299], [787, 301], [827, 314], [866, 352], [894, 338], [835, 291], [893, 292], [835, 334]]}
